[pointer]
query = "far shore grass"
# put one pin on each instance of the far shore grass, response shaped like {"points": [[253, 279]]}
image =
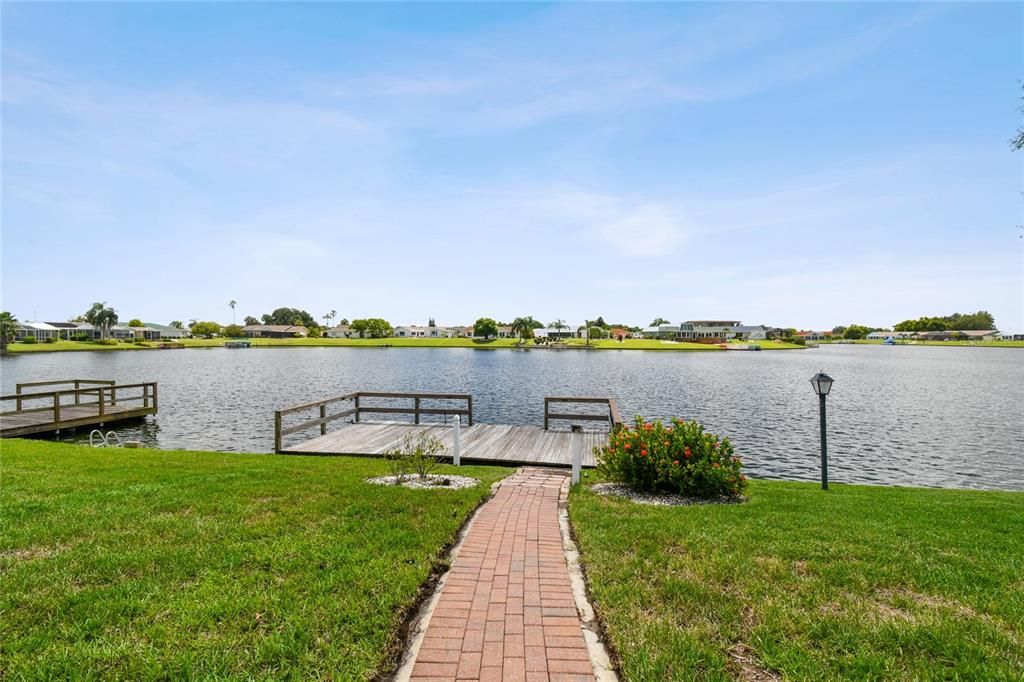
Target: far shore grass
{"points": [[856, 583], [148, 564], [919, 342], [574, 344]]}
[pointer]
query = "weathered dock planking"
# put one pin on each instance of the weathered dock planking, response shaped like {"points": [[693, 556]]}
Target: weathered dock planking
{"points": [[91, 403], [479, 443]]}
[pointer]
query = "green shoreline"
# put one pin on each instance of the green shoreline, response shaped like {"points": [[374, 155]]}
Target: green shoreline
{"points": [[493, 344], [507, 344]]}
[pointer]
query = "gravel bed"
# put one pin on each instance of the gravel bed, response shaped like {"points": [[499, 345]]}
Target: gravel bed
{"points": [[433, 482], [660, 499]]}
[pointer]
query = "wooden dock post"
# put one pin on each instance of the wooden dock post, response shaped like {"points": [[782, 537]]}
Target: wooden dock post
{"points": [[457, 441], [56, 411], [277, 431], [576, 450], [323, 416]]}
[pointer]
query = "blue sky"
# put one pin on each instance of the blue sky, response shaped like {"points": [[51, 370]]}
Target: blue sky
{"points": [[797, 164]]}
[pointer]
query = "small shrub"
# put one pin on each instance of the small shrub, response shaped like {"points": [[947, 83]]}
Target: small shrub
{"points": [[29, 339], [419, 454], [107, 342], [139, 341], [50, 339], [127, 340], [81, 337], [678, 458]]}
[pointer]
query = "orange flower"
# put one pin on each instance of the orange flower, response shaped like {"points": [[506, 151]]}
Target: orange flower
{"points": [[676, 462], [686, 451], [643, 453], [628, 446]]}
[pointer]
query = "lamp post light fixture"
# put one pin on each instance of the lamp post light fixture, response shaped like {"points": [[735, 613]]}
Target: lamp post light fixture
{"points": [[822, 384]]}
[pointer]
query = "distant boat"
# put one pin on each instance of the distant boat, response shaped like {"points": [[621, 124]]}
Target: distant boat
{"points": [[889, 341], [238, 344]]}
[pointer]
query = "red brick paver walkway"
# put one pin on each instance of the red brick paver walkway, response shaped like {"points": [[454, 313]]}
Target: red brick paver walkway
{"points": [[506, 611]]}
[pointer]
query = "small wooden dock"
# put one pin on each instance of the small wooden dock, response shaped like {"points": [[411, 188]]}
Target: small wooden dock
{"points": [[478, 443], [81, 403]]}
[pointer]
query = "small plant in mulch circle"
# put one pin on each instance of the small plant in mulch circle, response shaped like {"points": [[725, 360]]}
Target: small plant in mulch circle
{"points": [[418, 454], [679, 458]]}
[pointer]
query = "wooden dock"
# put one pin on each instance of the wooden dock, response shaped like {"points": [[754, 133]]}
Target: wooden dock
{"points": [[478, 443], [91, 403]]}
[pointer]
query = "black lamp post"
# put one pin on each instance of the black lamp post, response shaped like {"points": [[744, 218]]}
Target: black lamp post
{"points": [[822, 384]]}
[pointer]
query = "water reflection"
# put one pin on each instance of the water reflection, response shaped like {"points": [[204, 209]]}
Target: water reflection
{"points": [[897, 415]]}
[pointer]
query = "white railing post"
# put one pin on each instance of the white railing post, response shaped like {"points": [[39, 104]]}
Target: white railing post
{"points": [[456, 440], [576, 448]]}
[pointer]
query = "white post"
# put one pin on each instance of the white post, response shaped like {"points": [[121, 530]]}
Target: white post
{"points": [[456, 440], [576, 448]]}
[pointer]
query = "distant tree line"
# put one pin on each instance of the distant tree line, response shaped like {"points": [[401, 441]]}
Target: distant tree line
{"points": [[957, 321]]}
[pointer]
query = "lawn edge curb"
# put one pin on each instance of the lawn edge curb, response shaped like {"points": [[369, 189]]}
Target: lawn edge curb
{"points": [[601, 655]]}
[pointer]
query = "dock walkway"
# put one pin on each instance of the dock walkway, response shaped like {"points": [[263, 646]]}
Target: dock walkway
{"points": [[478, 443], [99, 403]]}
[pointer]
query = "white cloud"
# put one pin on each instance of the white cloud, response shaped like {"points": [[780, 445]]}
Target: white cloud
{"points": [[646, 231]]}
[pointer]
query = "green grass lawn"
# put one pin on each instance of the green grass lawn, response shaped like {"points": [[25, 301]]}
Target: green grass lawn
{"points": [[144, 564], [857, 583]]}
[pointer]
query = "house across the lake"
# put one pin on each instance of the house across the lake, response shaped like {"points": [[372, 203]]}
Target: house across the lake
{"points": [[881, 335], [40, 330], [275, 331], [961, 335], [814, 336], [342, 331], [758, 332], [167, 331]]}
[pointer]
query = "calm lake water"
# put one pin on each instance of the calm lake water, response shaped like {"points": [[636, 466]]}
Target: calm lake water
{"points": [[907, 415]]}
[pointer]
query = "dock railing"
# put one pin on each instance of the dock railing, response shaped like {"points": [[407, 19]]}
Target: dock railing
{"points": [[610, 413], [77, 383], [357, 405], [103, 394]]}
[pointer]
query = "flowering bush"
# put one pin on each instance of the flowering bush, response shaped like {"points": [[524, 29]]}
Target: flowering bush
{"points": [[679, 458]]}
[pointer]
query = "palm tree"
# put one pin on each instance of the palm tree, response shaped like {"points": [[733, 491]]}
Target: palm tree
{"points": [[8, 329], [176, 324], [558, 325], [90, 314], [105, 319], [523, 326], [328, 317], [232, 303]]}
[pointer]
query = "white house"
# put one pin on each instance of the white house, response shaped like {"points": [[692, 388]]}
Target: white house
{"points": [[662, 331], [757, 332], [413, 332], [341, 331], [123, 331], [40, 330], [166, 331], [440, 333], [880, 335], [707, 329]]}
